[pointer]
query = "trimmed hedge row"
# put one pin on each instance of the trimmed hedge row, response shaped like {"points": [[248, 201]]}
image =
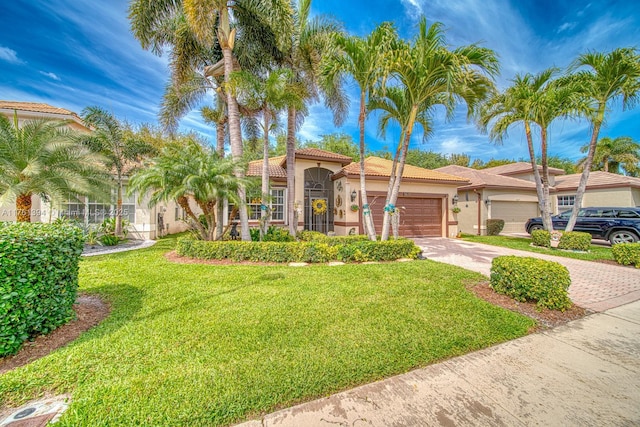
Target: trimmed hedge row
{"points": [[575, 241], [38, 280], [312, 252], [532, 279], [494, 226], [627, 253], [541, 238]]}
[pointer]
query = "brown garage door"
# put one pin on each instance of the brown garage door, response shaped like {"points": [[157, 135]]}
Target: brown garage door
{"points": [[418, 216]]}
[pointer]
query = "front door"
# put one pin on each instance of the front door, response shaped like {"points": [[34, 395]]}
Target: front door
{"points": [[318, 200]]}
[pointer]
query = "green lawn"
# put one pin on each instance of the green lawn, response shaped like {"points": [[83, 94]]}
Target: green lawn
{"points": [[203, 345], [596, 253]]}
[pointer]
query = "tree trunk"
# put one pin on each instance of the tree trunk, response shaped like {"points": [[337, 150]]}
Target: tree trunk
{"points": [[386, 220], [220, 150], [582, 186], [23, 208], [118, 214], [536, 172], [235, 138], [367, 217], [183, 202], [264, 213], [291, 179], [546, 208]]}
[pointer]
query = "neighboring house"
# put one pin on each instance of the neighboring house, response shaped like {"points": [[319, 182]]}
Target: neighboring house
{"points": [[144, 221], [491, 196], [603, 189], [424, 201]]}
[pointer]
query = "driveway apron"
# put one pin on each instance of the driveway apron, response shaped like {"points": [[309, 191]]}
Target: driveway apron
{"points": [[594, 286]]}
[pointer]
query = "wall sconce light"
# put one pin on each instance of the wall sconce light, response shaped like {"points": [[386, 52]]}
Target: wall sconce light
{"points": [[354, 194], [487, 202], [455, 199]]}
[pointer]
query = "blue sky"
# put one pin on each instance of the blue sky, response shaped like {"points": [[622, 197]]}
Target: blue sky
{"points": [[81, 53]]}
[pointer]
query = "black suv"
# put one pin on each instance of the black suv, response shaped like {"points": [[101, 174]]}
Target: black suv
{"points": [[617, 225]]}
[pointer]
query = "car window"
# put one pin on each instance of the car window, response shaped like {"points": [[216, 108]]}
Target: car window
{"points": [[584, 212], [566, 214], [628, 214]]}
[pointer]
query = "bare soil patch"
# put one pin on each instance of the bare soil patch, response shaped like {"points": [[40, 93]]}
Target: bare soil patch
{"points": [[546, 318], [90, 311], [174, 257]]}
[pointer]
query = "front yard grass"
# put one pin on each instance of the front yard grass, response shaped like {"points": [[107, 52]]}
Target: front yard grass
{"points": [[202, 345]]}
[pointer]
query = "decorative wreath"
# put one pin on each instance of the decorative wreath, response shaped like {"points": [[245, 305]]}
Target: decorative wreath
{"points": [[319, 206]]}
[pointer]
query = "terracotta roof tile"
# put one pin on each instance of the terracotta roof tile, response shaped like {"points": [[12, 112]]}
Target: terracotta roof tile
{"points": [[316, 152], [596, 179], [482, 178], [275, 170], [34, 107], [519, 167], [376, 166]]}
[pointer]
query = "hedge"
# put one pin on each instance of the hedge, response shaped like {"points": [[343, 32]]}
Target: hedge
{"points": [[575, 241], [335, 248], [627, 253], [541, 238], [532, 279], [38, 280], [494, 226]]}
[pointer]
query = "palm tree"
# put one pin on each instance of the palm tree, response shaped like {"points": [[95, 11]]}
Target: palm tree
{"points": [[43, 158], [431, 74], [612, 154], [187, 173], [517, 104], [267, 97], [601, 78], [121, 154], [364, 59]]}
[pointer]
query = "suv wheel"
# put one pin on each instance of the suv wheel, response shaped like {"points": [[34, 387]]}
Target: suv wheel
{"points": [[535, 227], [622, 237]]}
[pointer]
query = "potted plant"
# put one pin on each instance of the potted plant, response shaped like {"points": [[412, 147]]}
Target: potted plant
{"points": [[355, 208], [455, 209]]}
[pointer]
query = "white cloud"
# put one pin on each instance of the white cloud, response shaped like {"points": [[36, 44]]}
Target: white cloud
{"points": [[566, 26], [50, 75], [9, 55]]}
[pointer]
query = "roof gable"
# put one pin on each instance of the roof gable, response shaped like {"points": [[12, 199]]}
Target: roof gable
{"points": [[518, 168], [483, 179], [379, 167]]}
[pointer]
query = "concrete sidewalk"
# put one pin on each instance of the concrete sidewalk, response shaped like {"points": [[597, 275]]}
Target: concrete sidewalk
{"points": [[595, 286], [585, 373]]}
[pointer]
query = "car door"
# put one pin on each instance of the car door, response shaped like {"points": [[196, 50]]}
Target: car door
{"points": [[560, 221]]}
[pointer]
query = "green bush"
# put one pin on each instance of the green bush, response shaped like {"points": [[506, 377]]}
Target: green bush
{"points": [[541, 238], [312, 252], [38, 280], [575, 241], [109, 239], [532, 279], [311, 236], [494, 226], [627, 253], [273, 234]]}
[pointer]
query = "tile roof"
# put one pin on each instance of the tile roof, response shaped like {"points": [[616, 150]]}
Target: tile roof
{"points": [[482, 178], [35, 107], [596, 179], [376, 166], [519, 167], [275, 168], [316, 152]]}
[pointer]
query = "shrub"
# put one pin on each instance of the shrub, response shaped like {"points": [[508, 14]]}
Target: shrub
{"points": [[532, 279], [541, 238], [494, 226], [311, 236], [273, 234], [109, 239], [355, 250], [627, 253], [575, 241], [38, 280]]}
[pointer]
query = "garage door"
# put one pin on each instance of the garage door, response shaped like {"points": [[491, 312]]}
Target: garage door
{"points": [[514, 214], [418, 216]]}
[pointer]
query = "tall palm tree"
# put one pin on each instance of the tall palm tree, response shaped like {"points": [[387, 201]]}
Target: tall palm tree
{"points": [[614, 155], [121, 154], [365, 60], [517, 104], [187, 173], [43, 158], [430, 73], [601, 78]]}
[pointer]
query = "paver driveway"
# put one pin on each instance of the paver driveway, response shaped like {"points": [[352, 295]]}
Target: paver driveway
{"points": [[595, 286]]}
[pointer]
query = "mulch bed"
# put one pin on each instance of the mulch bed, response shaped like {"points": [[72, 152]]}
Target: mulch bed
{"points": [[90, 310]]}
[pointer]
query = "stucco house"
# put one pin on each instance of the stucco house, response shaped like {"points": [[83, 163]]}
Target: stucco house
{"points": [[144, 221], [603, 189], [425, 199]]}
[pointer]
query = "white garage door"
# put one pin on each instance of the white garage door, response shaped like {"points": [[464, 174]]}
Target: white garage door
{"points": [[514, 214]]}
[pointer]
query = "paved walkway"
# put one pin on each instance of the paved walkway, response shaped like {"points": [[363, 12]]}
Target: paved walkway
{"points": [[586, 372], [130, 245], [595, 286]]}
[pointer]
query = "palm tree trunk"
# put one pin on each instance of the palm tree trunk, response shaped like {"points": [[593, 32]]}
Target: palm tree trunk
{"points": [[183, 202], [118, 215], [23, 208], [546, 208], [220, 150], [235, 138], [264, 214], [386, 220], [291, 179], [534, 166], [582, 186], [367, 216]]}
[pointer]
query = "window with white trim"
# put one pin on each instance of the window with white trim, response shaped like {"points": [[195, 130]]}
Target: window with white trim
{"points": [[566, 201], [276, 204], [91, 211]]}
